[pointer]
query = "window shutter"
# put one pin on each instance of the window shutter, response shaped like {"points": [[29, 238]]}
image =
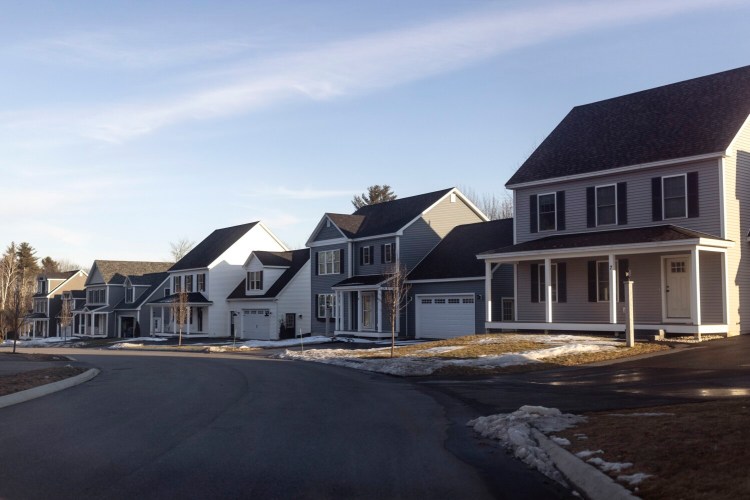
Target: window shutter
{"points": [[692, 194], [372, 254], [590, 207], [656, 199], [592, 280], [534, 282], [560, 208], [382, 254], [622, 203], [261, 280], [361, 255], [623, 267], [317, 255], [562, 282], [533, 214]]}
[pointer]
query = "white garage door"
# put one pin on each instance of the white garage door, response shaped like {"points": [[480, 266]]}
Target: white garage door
{"points": [[256, 324], [445, 316]]}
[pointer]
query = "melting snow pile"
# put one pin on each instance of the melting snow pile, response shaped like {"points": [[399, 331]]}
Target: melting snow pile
{"points": [[513, 430], [42, 342], [609, 466]]}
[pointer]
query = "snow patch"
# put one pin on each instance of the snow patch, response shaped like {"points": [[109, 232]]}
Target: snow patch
{"points": [[609, 466], [634, 479], [141, 339], [41, 342], [560, 441], [588, 453], [441, 349], [270, 344]]}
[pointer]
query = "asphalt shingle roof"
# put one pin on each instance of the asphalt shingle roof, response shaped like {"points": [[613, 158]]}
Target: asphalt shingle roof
{"points": [[689, 118], [152, 280], [193, 298], [212, 247], [456, 255], [295, 259], [114, 271], [362, 280]]}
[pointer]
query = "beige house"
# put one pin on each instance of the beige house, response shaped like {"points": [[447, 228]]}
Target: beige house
{"points": [[653, 185]]}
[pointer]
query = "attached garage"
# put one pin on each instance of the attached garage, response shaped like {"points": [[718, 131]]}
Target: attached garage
{"points": [[256, 324], [445, 316]]}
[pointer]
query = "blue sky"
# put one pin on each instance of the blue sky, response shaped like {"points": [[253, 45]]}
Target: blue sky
{"points": [[127, 125]]}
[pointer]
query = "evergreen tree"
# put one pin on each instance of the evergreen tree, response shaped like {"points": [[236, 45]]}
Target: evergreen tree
{"points": [[49, 265], [375, 194], [27, 260]]}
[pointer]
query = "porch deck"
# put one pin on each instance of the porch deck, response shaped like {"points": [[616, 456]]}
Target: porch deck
{"points": [[679, 328]]}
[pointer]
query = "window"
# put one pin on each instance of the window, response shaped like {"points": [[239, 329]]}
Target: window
{"points": [[602, 281], [606, 205], [201, 282], [547, 212], [177, 284], [41, 286], [255, 280], [387, 253], [167, 292], [508, 310], [542, 286], [129, 294], [329, 262], [469, 301], [674, 196], [426, 301], [439, 301], [454, 301], [599, 289], [326, 300], [189, 283], [365, 256]]}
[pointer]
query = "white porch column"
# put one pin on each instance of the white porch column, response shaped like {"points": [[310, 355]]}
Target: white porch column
{"points": [[379, 305], [151, 321], [488, 290], [339, 311], [187, 320], [161, 326], [695, 289], [359, 311], [612, 289], [548, 290], [174, 324]]}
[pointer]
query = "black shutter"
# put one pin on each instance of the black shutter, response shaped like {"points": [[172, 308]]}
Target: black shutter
{"points": [[533, 226], [361, 255], [622, 203], [623, 268], [261, 282], [592, 280], [590, 207], [562, 282], [692, 194], [317, 254], [560, 207], [534, 282], [341, 261], [656, 199], [382, 254], [372, 254]]}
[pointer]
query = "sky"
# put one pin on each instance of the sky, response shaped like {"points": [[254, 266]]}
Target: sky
{"points": [[125, 126]]}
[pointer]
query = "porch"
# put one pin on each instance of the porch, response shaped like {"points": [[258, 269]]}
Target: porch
{"points": [[35, 326], [92, 321], [358, 308], [162, 314]]}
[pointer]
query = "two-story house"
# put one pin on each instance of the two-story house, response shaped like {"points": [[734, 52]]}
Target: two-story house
{"points": [[132, 317], [353, 254], [47, 302], [105, 290], [648, 185], [207, 275], [273, 301], [71, 324]]}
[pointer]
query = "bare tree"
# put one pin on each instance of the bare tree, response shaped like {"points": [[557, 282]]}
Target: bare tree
{"points": [[15, 310], [395, 296], [8, 271], [64, 265], [66, 316], [180, 248], [180, 311], [494, 206], [375, 194]]}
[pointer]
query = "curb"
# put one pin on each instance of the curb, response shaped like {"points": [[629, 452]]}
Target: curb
{"points": [[44, 390], [594, 484]]}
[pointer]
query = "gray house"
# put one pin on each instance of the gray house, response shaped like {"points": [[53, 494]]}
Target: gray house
{"points": [[446, 296], [132, 317], [44, 320], [351, 256], [649, 184]]}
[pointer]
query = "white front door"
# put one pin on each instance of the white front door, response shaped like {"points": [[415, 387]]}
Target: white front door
{"points": [[677, 288], [368, 302]]}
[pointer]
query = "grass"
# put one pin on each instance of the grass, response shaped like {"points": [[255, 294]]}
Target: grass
{"points": [[10, 384], [694, 451]]}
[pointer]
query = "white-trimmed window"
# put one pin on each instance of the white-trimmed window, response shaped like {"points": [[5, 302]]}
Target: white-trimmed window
{"points": [[326, 300], [388, 253], [542, 285], [201, 282], [602, 280], [189, 283], [177, 284], [366, 255], [547, 212], [508, 309], [129, 294], [255, 280], [41, 286], [674, 196], [606, 205], [329, 262]]}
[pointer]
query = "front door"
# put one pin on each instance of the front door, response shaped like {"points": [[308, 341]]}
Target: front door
{"points": [[368, 309], [677, 289]]}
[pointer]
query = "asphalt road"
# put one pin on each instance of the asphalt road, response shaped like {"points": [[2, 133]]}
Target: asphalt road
{"points": [[160, 425]]}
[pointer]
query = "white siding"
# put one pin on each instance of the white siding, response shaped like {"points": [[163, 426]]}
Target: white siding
{"points": [[296, 299]]}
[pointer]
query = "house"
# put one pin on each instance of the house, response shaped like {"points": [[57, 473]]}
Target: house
{"points": [[132, 319], [272, 302], [47, 302], [105, 290], [207, 275], [353, 254], [447, 287], [72, 300], [653, 185]]}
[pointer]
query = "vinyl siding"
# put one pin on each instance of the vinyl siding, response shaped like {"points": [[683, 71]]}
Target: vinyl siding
{"points": [[710, 277], [376, 267], [323, 283], [328, 233], [638, 203]]}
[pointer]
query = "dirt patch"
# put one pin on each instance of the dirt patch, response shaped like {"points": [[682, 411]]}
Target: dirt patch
{"points": [[27, 356], [27, 380], [692, 451]]}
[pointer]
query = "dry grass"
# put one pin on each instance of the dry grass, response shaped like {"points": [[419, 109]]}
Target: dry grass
{"points": [[696, 451], [28, 356], [27, 380]]}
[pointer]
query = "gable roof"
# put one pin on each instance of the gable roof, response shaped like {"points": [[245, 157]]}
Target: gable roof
{"points": [[295, 259], [59, 276], [152, 280], [681, 120], [211, 248], [456, 255], [113, 272]]}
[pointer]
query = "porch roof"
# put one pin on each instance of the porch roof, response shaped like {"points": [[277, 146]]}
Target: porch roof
{"points": [[616, 239], [193, 299], [369, 280], [36, 316], [91, 308]]}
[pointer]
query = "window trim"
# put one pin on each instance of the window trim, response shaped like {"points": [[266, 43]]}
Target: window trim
{"points": [[543, 285], [539, 212], [685, 196], [512, 302], [388, 253], [322, 262], [366, 255], [200, 287], [254, 280], [617, 284], [177, 284], [596, 205], [328, 297]]}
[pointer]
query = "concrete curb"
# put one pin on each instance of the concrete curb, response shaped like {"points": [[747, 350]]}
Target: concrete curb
{"points": [[44, 390], [592, 482]]}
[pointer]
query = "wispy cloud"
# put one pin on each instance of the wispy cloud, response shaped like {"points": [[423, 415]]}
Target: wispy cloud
{"points": [[352, 67], [306, 193]]}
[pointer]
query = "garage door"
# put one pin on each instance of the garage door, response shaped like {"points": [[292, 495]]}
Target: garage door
{"points": [[445, 316], [256, 324]]}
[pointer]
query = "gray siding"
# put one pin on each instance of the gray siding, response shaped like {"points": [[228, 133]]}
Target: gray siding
{"points": [[376, 267], [328, 233], [502, 287], [710, 276], [323, 283], [418, 240], [638, 204]]}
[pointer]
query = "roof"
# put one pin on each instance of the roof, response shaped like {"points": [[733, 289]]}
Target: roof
{"points": [[148, 279], [59, 276], [211, 248], [690, 118], [361, 280], [276, 259], [114, 271], [456, 255], [152, 280], [193, 298], [295, 259], [652, 234], [78, 294]]}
